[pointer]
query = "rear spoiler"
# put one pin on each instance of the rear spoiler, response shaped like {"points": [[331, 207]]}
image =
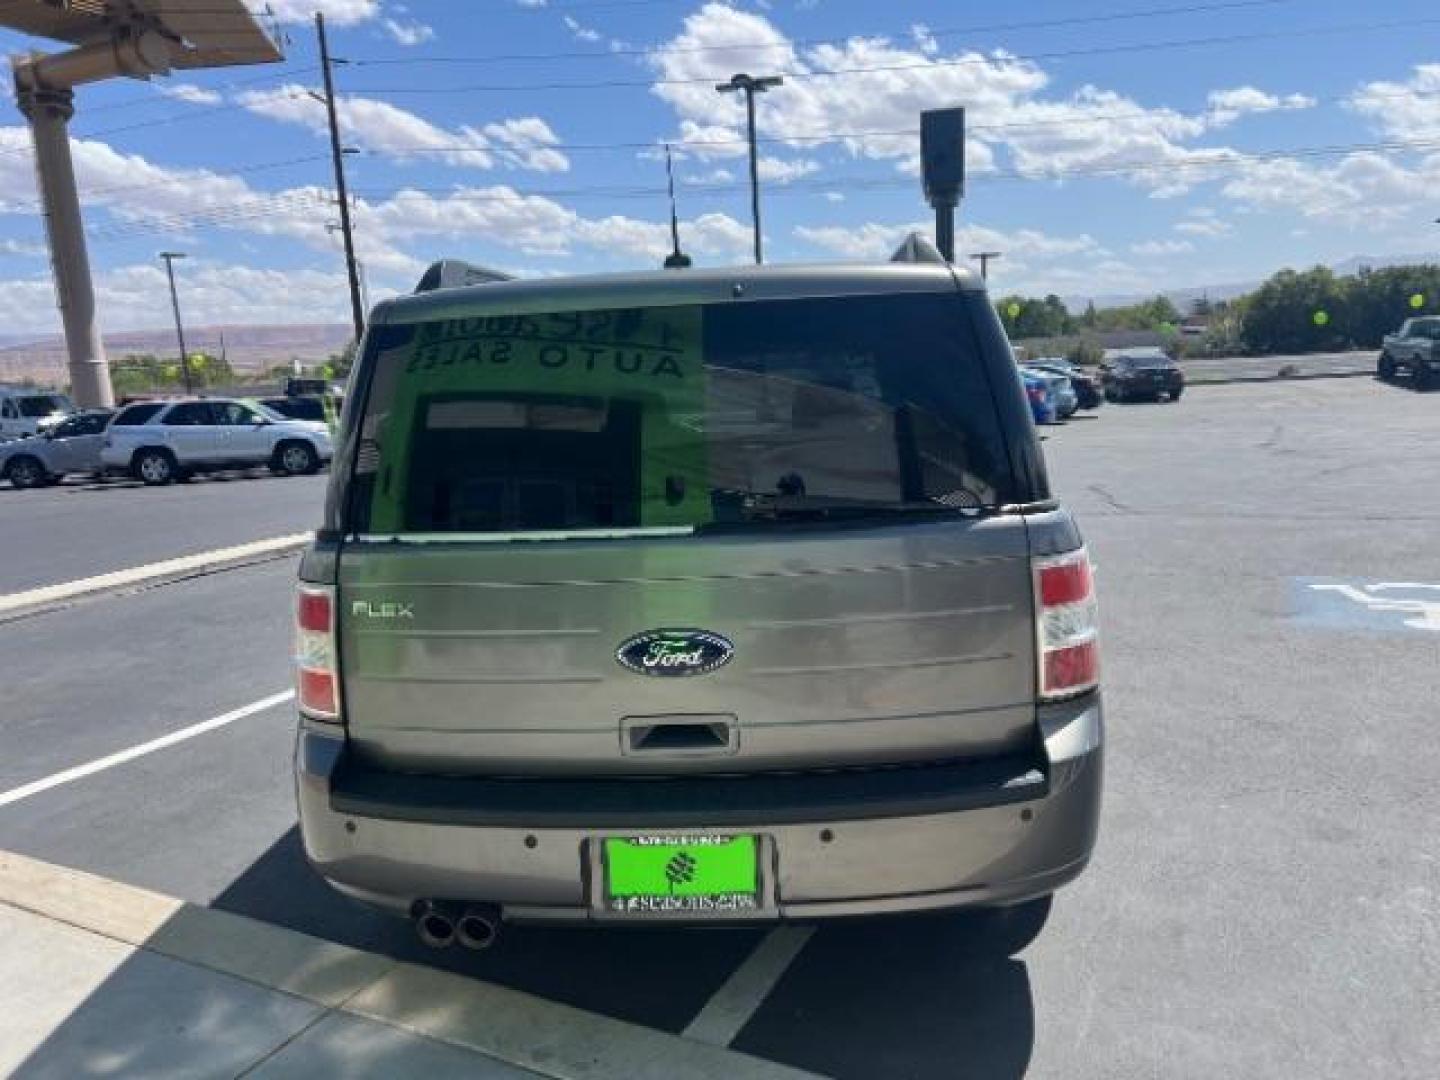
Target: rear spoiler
{"points": [[454, 274]]}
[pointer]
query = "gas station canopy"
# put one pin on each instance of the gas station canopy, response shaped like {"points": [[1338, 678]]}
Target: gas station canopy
{"points": [[200, 33], [109, 39]]}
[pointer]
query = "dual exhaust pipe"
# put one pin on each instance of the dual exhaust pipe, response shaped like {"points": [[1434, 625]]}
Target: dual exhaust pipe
{"points": [[440, 925]]}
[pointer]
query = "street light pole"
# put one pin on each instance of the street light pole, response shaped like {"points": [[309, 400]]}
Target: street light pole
{"points": [[170, 257], [985, 257], [751, 86]]}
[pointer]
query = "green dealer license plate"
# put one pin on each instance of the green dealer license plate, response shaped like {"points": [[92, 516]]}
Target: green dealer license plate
{"points": [[663, 875]]}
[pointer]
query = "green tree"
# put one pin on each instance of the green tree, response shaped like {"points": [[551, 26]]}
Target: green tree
{"points": [[1297, 313]]}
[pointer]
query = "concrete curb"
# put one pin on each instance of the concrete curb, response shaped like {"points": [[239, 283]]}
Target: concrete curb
{"points": [[508, 1025], [50, 597]]}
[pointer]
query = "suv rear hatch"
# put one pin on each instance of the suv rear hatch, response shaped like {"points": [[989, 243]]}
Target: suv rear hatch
{"points": [[813, 483]]}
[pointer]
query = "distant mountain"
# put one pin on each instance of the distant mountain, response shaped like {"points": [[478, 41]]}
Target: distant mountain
{"points": [[248, 348], [1184, 297]]}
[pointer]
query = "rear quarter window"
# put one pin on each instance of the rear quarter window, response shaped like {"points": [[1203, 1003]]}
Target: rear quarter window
{"points": [[135, 415], [738, 415]]}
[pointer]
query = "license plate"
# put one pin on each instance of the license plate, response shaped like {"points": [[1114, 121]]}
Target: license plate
{"points": [[680, 875]]}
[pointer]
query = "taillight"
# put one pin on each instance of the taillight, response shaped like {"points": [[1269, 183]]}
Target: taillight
{"points": [[1069, 625], [317, 681]]}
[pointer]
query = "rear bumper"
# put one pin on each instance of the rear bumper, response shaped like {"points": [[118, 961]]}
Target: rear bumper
{"points": [[834, 845]]}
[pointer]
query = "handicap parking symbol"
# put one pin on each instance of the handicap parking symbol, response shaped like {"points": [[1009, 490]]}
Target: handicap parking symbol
{"points": [[1358, 604]]}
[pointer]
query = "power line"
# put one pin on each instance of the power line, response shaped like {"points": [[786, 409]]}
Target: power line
{"points": [[805, 43], [159, 97], [928, 65], [841, 136], [288, 201]]}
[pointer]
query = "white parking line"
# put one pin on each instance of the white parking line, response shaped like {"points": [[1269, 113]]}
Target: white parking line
{"points": [[90, 768], [730, 1008], [136, 575]]}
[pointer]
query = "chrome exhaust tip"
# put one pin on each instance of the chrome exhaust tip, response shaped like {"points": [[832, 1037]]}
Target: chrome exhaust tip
{"points": [[434, 925], [478, 927]]}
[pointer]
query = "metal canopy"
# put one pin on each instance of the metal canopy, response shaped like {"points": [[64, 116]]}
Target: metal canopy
{"points": [[201, 33]]}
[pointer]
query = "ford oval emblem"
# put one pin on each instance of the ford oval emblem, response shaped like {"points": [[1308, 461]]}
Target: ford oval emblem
{"points": [[674, 653]]}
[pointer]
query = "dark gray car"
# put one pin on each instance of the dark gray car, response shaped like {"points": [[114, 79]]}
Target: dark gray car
{"points": [[724, 594], [71, 446]]}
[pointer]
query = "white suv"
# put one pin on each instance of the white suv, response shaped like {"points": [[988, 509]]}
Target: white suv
{"points": [[162, 441], [30, 412]]}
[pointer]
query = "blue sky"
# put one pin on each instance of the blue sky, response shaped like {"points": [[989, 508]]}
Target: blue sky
{"points": [[1116, 147]]}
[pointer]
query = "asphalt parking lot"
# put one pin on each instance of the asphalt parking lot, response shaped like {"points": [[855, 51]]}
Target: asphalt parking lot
{"points": [[1265, 898]]}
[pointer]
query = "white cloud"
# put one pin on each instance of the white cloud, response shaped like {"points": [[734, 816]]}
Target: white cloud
{"points": [[336, 12], [1364, 190], [782, 172], [1008, 113], [1204, 221], [188, 92], [581, 32], [408, 33], [396, 133], [1152, 248], [1407, 110], [128, 297], [834, 197], [536, 225], [21, 248], [526, 143], [872, 241], [1227, 106]]}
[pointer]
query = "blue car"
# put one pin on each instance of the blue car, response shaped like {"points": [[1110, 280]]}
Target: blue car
{"points": [[1037, 391]]}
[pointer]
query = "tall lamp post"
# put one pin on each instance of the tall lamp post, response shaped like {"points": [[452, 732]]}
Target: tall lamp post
{"points": [[750, 86], [170, 257]]}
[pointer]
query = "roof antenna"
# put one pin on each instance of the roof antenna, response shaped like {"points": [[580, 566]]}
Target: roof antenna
{"points": [[677, 259]]}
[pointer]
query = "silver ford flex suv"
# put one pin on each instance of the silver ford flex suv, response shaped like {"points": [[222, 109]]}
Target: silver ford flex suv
{"points": [[688, 596]]}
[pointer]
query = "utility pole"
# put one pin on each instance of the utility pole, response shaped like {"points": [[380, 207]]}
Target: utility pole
{"points": [[357, 312], [751, 86], [170, 257], [985, 257]]}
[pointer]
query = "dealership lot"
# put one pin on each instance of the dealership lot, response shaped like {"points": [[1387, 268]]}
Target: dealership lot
{"points": [[1266, 895]]}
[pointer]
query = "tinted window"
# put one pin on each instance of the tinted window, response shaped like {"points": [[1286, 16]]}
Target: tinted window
{"points": [[135, 415], [40, 405], [190, 414], [80, 425], [234, 414], [733, 415], [298, 408]]}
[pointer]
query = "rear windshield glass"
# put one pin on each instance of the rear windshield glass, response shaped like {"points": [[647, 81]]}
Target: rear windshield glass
{"points": [[43, 405], [739, 415]]}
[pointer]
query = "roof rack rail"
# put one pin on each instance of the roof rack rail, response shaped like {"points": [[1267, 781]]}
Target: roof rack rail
{"points": [[455, 273]]}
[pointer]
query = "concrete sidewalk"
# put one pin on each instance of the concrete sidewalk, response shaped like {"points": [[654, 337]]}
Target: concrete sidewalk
{"points": [[99, 978]]}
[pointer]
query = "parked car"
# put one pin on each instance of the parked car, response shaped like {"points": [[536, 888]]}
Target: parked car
{"points": [[162, 441], [625, 561], [71, 446], [1415, 350], [29, 412], [1085, 384], [1062, 393], [307, 407], [1037, 393], [1143, 378]]}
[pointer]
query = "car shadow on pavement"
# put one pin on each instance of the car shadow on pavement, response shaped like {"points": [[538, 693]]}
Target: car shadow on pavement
{"points": [[918, 996], [659, 978]]}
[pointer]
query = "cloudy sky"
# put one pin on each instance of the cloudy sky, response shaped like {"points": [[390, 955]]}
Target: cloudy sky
{"points": [[1114, 147]]}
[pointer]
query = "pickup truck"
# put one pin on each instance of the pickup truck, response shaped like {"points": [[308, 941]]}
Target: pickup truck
{"points": [[1415, 349]]}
